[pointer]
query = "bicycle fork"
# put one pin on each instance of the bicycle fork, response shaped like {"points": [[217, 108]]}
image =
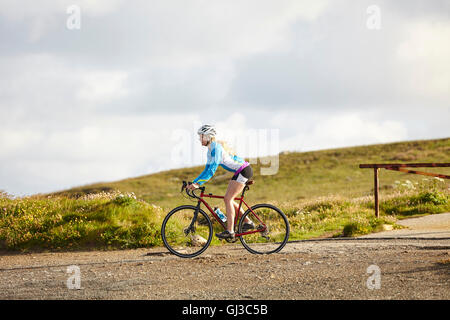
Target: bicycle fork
{"points": [[191, 228]]}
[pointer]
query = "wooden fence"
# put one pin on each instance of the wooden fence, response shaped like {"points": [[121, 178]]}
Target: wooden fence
{"points": [[400, 167]]}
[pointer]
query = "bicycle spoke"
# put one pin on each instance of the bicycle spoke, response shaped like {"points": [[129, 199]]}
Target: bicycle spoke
{"points": [[272, 226], [182, 237]]}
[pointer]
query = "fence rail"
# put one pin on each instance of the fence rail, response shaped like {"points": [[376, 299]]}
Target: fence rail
{"points": [[400, 167]]}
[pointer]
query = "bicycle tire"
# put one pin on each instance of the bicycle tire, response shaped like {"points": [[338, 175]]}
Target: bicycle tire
{"points": [[253, 242], [169, 242]]}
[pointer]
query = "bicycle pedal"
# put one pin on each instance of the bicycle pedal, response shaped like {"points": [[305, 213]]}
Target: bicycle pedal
{"points": [[265, 233], [231, 240]]}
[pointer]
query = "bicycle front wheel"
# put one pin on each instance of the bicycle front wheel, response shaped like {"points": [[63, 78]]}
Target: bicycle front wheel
{"points": [[183, 236], [272, 229]]}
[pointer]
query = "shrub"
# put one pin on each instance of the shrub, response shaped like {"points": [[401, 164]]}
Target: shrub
{"points": [[433, 197], [59, 222], [125, 199], [362, 225]]}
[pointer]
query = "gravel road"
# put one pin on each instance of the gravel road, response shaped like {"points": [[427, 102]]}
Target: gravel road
{"points": [[380, 267]]}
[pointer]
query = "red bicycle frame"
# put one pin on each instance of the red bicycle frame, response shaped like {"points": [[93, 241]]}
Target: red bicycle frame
{"points": [[236, 215]]}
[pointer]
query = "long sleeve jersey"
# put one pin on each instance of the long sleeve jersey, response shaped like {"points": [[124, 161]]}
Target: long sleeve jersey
{"points": [[218, 156]]}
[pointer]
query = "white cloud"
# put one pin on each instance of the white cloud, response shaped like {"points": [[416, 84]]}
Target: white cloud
{"points": [[102, 86], [314, 131], [14, 143], [37, 87], [106, 148], [424, 58], [27, 9], [44, 16], [351, 129]]}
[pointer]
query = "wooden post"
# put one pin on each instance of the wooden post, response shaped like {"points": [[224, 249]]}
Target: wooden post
{"points": [[377, 206], [400, 167]]}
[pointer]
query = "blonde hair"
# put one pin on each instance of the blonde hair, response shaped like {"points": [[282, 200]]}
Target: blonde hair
{"points": [[225, 146]]}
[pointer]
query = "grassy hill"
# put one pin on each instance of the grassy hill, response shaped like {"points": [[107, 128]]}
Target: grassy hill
{"points": [[323, 193], [301, 175]]}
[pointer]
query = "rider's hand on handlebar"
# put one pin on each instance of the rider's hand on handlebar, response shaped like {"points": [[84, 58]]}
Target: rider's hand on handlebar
{"points": [[192, 186]]}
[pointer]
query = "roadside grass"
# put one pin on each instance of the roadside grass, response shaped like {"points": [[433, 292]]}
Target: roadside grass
{"points": [[107, 220], [115, 220], [339, 216]]}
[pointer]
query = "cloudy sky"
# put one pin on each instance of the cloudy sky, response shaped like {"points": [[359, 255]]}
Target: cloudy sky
{"points": [[108, 89]]}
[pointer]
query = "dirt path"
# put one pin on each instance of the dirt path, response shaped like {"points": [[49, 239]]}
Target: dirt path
{"points": [[431, 226], [381, 267]]}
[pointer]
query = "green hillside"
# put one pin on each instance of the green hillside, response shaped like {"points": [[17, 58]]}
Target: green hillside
{"points": [[301, 175], [323, 193]]}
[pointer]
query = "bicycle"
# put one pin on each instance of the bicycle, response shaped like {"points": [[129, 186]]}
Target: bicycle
{"points": [[187, 230]]}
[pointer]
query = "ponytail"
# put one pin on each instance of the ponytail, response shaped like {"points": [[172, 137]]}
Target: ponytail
{"points": [[225, 146]]}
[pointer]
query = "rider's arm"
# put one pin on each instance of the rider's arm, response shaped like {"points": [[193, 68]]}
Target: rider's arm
{"points": [[211, 165]]}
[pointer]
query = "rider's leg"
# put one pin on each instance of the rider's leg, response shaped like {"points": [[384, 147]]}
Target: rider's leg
{"points": [[241, 212], [234, 188]]}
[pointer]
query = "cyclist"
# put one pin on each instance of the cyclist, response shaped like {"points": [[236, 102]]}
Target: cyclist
{"points": [[219, 154]]}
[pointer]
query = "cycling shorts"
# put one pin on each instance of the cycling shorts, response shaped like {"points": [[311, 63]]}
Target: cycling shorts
{"points": [[244, 175]]}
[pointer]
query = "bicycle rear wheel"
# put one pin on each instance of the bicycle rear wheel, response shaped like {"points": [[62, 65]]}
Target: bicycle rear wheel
{"points": [[183, 238], [272, 228]]}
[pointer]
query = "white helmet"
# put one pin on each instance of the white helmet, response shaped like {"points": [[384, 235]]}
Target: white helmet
{"points": [[207, 130]]}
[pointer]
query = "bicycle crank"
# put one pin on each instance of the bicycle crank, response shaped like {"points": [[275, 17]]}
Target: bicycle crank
{"points": [[231, 240], [265, 233]]}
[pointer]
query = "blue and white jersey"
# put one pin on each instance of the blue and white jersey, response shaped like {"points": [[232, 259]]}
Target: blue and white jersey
{"points": [[218, 156]]}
